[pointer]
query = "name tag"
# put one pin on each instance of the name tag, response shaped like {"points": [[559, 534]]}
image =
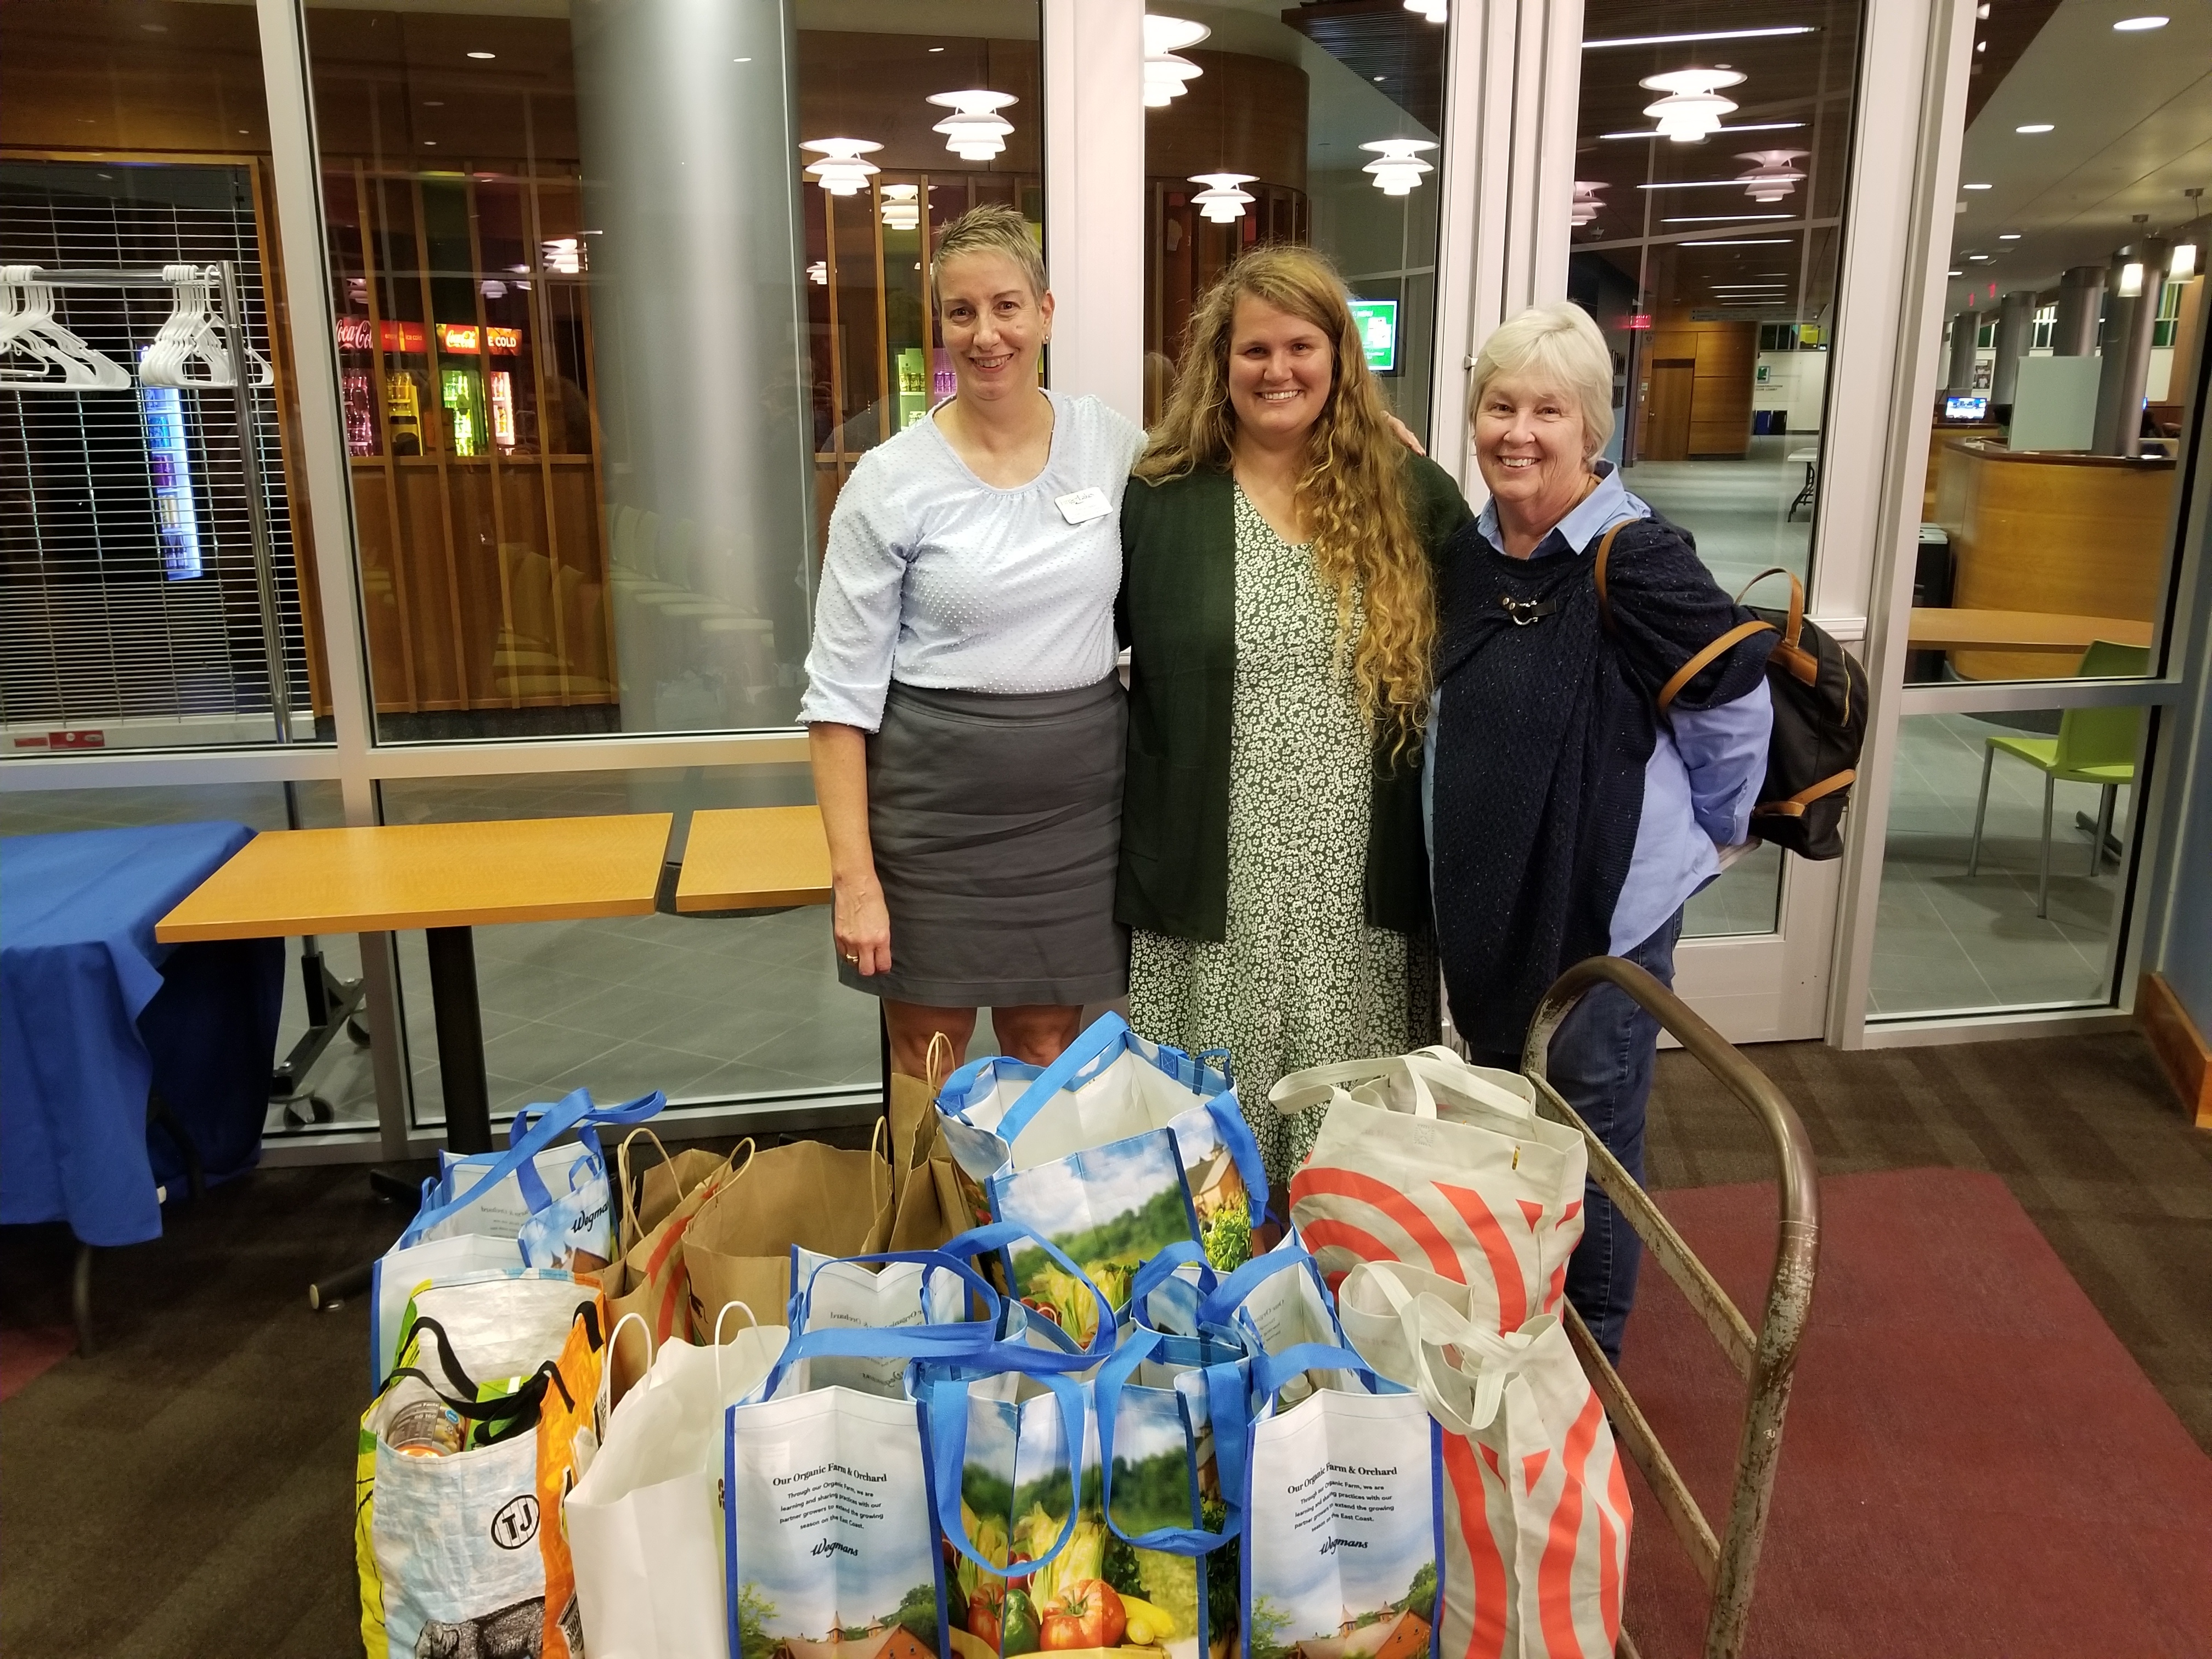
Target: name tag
{"points": [[1084, 506]]}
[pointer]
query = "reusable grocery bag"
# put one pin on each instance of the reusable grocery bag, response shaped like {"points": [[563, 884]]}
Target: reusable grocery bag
{"points": [[455, 1552], [1081, 1151], [819, 1198], [400, 1274], [1275, 1304], [1344, 1546], [552, 1199], [492, 1325], [1537, 1542], [644, 1521], [831, 1547], [1424, 1160]]}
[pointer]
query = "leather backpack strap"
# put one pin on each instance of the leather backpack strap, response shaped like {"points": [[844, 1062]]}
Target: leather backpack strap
{"points": [[1597, 571], [1690, 670], [1796, 624], [1793, 806]]}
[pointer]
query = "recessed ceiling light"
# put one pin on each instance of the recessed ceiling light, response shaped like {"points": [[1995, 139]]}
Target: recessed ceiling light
{"points": [[2034, 126], [1702, 34], [741, 60], [1978, 258], [430, 143], [1724, 218], [1978, 187], [937, 49], [2135, 25], [1954, 273], [1740, 241], [2008, 236], [1378, 77], [1981, 45], [484, 56]]}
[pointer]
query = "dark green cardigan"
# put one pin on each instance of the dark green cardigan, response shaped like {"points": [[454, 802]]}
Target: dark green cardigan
{"points": [[1175, 612]]}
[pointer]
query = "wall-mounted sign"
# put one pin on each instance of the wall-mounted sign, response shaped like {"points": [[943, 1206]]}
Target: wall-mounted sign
{"points": [[358, 334], [1640, 320], [458, 338], [1377, 323]]}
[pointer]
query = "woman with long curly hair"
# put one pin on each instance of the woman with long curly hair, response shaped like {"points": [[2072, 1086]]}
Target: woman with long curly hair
{"points": [[1278, 599]]}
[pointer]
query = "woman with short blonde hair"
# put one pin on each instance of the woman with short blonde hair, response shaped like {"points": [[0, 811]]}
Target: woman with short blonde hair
{"points": [[1568, 816], [1278, 603], [964, 719]]}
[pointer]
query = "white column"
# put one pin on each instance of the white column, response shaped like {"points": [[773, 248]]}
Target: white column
{"points": [[1094, 198]]}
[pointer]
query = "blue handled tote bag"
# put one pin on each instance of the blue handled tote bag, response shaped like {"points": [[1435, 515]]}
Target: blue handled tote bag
{"points": [[1000, 1118], [1343, 1549], [553, 1200], [831, 1549]]}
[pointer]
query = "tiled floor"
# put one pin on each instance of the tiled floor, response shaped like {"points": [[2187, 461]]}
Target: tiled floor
{"points": [[1944, 940]]}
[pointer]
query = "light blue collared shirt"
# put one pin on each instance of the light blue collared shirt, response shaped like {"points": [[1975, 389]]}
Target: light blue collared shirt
{"points": [[1706, 765]]}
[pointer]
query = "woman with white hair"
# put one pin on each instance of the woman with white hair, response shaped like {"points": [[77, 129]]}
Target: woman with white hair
{"points": [[1567, 817]]}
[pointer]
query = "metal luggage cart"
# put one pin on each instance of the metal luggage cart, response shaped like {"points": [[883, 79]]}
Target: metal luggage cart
{"points": [[1767, 1358]]}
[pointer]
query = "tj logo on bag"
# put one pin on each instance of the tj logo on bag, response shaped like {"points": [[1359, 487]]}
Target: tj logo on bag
{"points": [[516, 1524]]}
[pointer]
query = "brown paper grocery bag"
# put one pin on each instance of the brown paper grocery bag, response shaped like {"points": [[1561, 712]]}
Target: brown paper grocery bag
{"points": [[653, 1282], [819, 1198], [643, 1206], [914, 1114]]}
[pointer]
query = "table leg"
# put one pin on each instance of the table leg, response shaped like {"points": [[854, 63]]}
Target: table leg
{"points": [[81, 1298], [460, 1039]]}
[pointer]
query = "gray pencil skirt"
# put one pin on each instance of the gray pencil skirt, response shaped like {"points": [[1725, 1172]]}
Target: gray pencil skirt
{"points": [[997, 826]]}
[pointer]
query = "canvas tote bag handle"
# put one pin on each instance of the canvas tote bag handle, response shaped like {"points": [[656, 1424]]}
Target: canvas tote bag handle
{"points": [[947, 1418], [1107, 1037]]}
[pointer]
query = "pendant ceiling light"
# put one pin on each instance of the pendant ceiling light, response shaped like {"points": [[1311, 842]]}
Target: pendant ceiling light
{"points": [[840, 171], [1586, 200], [1774, 172], [1694, 106], [1397, 168], [1167, 76], [974, 131], [1431, 9], [902, 206], [1221, 200]]}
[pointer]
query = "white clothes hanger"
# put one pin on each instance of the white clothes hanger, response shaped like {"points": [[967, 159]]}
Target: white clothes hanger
{"points": [[37, 352], [192, 350]]}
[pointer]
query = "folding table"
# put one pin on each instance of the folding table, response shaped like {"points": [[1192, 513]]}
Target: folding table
{"points": [[445, 878]]}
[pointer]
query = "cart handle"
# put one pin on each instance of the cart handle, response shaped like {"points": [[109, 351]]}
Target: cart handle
{"points": [[1765, 1359]]}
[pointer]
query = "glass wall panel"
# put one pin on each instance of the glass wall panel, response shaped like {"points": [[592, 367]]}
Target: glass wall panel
{"points": [[707, 1008], [1315, 124], [1707, 243], [2068, 377], [2024, 913], [622, 292], [152, 567]]}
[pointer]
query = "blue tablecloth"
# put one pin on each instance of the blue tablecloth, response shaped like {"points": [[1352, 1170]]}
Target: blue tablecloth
{"points": [[94, 1013]]}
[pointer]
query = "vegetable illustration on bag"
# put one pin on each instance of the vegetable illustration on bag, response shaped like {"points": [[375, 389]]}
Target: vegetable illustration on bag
{"points": [[1110, 1209]]}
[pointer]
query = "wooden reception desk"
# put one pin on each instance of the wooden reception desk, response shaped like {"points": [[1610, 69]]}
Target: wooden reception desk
{"points": [[2050, 531]]}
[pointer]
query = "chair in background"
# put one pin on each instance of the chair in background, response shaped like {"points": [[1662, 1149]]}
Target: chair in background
{"points": [[2094, 746]]}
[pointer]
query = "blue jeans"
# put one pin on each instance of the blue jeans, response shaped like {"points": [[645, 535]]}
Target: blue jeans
{"points": [[1601, 1063]]}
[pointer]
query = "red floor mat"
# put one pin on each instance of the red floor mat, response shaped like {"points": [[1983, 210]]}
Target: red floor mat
{"points": [[26, 1355], [1972, 1464]]}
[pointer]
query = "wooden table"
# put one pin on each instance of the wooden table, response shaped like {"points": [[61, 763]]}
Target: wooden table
{"points": [[754, 858], [1941, 628], [444, 878]]}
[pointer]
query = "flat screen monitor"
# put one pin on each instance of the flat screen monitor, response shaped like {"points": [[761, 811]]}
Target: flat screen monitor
{"points": [[1966, 409], [1378, 320]]}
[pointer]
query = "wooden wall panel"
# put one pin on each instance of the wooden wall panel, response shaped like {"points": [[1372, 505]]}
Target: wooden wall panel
{"points": [[1243, 114], [1720, 401], [2081, 536]]}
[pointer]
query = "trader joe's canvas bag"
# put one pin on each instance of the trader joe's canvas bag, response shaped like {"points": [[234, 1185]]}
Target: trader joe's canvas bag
{"points": [[1425, 1160], [457, 1535], [1087, 1151], [645, 1525], [816, 1197], [1537, 1541]]}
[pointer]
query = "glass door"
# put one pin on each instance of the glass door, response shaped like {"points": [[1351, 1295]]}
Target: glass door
{"points": [[1713, 194]]}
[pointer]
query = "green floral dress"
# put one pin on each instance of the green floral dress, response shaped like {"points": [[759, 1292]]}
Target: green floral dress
{"points": [[1299, 979]]}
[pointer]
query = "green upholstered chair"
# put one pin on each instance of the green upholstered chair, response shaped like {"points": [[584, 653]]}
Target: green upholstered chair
{"points": [[2094, 746]]}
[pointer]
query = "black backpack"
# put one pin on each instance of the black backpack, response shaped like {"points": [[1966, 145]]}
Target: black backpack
{"points": [[1820, 695]]}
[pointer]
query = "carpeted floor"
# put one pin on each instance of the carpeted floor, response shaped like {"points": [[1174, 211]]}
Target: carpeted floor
{"points": [[1971, 1467], [187, 1490]]}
